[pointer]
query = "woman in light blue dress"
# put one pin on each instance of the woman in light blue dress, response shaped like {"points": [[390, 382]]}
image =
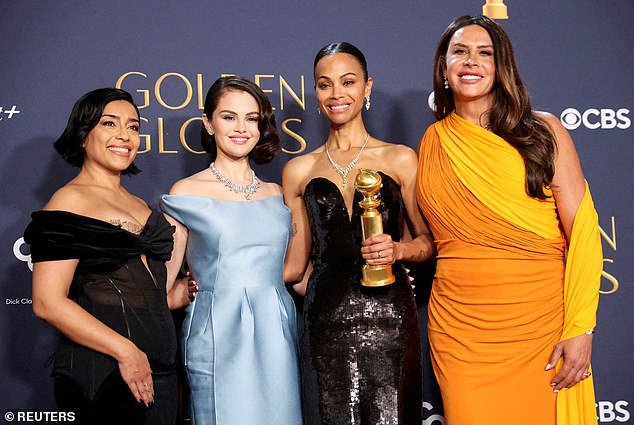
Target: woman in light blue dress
{"points": [[239, 335]]}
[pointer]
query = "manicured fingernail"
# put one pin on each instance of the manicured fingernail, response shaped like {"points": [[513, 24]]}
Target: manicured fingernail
{"points": [[555, 391], [548, 366], [552, 384]]}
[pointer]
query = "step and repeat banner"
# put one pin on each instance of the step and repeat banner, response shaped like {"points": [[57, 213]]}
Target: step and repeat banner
{"points": [[574, 55]]}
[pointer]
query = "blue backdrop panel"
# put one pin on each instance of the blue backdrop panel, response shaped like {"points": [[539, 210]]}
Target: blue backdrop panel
{"points": [[574, 56]]}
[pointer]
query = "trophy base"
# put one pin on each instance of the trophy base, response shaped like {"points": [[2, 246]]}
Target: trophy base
{"points": [[377, 275]]}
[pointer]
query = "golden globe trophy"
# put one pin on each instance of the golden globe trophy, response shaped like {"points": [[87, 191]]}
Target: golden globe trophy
{"points": [[368, 183], [495, 9]]}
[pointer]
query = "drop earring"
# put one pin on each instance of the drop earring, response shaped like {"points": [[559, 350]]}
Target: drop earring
{"points": [[318, 110], [367, 103], [446, 84]]}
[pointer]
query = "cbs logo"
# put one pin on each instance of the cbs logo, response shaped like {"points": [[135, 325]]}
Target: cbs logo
{"points": [[17, 251], [596, 118], [611, 412]]}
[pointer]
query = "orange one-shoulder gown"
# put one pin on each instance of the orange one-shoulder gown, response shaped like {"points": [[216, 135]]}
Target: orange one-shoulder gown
{"points": [[499, 302]]}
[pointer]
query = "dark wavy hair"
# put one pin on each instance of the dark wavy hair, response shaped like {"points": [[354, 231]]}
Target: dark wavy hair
{"points": [[269, 142], [511, 116], [343, 47], [83, 118]]}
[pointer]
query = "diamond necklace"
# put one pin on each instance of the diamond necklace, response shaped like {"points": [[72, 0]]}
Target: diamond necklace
{"points": [[246, 189], [344, 171]]}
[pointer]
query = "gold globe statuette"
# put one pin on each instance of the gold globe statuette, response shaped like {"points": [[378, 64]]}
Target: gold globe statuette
{"points": [[368, 183]]}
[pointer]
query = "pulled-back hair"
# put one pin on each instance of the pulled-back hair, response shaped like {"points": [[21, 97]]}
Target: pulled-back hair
{"points": [[343, 47], [511, 116]]}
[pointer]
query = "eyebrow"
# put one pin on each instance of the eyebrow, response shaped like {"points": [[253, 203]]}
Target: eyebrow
{"points": [[227, 111], [482, 46], [341, 76], [118, 117]]}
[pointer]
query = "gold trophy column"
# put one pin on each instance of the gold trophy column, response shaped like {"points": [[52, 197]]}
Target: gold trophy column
{"points": [[368, 183]]}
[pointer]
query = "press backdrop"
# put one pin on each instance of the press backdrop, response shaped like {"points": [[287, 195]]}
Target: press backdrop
{"points": [[574, 55]]}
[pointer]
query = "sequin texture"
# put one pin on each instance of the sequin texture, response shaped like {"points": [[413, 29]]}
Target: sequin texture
{"points": [[360, 347]]}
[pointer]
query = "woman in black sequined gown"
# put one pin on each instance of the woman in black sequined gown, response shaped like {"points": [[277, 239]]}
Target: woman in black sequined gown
{"points": [[360, 349]]}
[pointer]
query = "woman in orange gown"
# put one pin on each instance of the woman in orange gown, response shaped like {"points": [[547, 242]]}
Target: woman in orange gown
{"points": [[510, 323]]}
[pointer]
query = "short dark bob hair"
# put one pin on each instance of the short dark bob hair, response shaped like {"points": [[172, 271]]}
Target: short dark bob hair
{"points": [[343, 47], [269, 142], [84, 117]]}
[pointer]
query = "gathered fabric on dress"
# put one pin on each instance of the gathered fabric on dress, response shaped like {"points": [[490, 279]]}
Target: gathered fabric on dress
{"points": [[112, 283], [502, 296], [240, 332], [360, 351]]}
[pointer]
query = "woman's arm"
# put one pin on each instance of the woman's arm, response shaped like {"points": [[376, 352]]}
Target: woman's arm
{"points": [[51, 283], [299, 245], [421, 247], [176, 260], [568, 187]]}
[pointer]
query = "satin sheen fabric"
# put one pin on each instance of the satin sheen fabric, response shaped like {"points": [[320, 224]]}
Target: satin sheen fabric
{"points": [[239, 334]]}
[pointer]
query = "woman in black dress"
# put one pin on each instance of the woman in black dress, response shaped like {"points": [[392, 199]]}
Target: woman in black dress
{"points": [[360, 349], [99, 275]]}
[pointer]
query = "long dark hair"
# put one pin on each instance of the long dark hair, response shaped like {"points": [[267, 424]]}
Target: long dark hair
{"points": [[269, 142], [511, 116], [343, 47], [83, 118]]}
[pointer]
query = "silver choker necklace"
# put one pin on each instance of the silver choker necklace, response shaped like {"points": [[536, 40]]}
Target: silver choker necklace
{"points": [[344, 171], [246, 189]]}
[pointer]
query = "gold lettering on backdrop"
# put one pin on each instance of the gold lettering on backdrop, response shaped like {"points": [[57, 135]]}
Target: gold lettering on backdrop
{"points": [[161, 137], [610, 241], [289, 93], [258, 82], [300, 139], [199, 84], [157, 90], [284, 85], [145, 137], [184, 138], [227, 75], [145, 93], [614, 281]]}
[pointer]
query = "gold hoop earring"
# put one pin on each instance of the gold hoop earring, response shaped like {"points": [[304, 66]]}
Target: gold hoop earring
{"points": [[367, 103]]}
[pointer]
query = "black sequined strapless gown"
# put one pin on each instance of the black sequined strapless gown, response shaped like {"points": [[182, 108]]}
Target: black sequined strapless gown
{"points": [[360, 349]]}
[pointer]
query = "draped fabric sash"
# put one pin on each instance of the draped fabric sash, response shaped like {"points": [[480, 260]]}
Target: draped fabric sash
{"points": [[493, 171], [584, 263]]}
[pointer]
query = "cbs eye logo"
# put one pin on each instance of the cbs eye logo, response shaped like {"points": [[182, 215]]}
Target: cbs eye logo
{"points": [[594, 118]]}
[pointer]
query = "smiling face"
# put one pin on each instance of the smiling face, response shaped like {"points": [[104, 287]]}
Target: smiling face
{"points": [[234, 124], [341, 87], [114, 141], [470, 65]]}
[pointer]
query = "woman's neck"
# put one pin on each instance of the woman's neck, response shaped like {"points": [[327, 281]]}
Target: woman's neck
{"points": [[475, 111], [238, 170], [347, 136], [99, 176]]}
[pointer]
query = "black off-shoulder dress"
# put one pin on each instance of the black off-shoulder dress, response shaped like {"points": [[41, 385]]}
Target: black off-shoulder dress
{"points": [[112, 283]]}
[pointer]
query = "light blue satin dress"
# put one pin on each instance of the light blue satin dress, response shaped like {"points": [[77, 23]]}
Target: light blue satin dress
{"points": [[240, 333]]}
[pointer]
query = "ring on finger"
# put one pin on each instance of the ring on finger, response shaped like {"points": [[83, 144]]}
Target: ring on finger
{"points": [[586, 374], [378, 254]]}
